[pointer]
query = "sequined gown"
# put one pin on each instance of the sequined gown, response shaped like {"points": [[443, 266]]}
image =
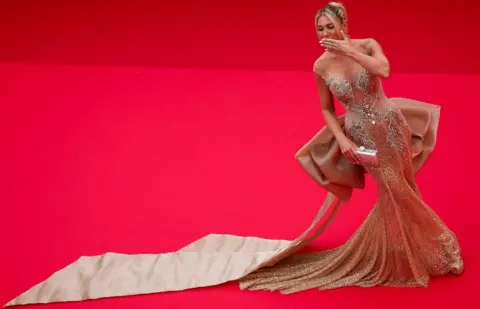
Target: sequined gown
{"points": [[402, 242]]}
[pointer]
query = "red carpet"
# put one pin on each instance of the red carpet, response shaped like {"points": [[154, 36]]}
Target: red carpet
{"points": [[145, 159], [137, 160]]}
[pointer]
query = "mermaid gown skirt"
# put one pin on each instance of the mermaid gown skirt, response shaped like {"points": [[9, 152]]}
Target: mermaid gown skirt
{"points": [[401, 243]]}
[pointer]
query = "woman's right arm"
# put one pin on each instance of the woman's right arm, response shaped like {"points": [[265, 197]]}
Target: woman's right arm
{"points": [[328, 111], [328, 108]]}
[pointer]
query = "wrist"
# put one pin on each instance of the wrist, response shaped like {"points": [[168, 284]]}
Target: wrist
{"points": [[352, 53], [339, 136]]}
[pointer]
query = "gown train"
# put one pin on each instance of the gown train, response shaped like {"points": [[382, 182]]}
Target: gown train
{"points": [[402, 242]]}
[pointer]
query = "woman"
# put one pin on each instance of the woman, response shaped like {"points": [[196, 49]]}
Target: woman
{"points": [[402, 242]]}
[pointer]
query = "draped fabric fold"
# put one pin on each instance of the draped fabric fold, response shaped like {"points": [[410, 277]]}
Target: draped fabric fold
{"points": [[216, 259], [322, 159]]}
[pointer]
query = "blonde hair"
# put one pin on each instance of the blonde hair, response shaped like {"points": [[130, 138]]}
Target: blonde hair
{"points": [[336, 12]]}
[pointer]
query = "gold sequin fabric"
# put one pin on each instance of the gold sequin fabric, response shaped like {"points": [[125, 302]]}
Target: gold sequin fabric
{"points": [[402, 242]]}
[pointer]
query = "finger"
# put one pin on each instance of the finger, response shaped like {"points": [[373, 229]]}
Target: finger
{"points": [[344, 36], [332, 41], [356, 158], [330, 45], [327, 47], [350, 157]]}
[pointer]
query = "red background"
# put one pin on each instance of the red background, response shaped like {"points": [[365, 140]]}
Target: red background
{"points": [[139, 127], [419, 36]]}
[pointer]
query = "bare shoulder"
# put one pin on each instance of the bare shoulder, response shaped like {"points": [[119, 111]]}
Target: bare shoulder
{"points": [[320, 65], [369, 44]]}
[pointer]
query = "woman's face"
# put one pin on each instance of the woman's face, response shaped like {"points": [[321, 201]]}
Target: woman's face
{"points": [[326, 29]]}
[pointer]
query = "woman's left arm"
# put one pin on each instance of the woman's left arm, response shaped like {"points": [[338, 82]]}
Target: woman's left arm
{"points": [[376, 63]]}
